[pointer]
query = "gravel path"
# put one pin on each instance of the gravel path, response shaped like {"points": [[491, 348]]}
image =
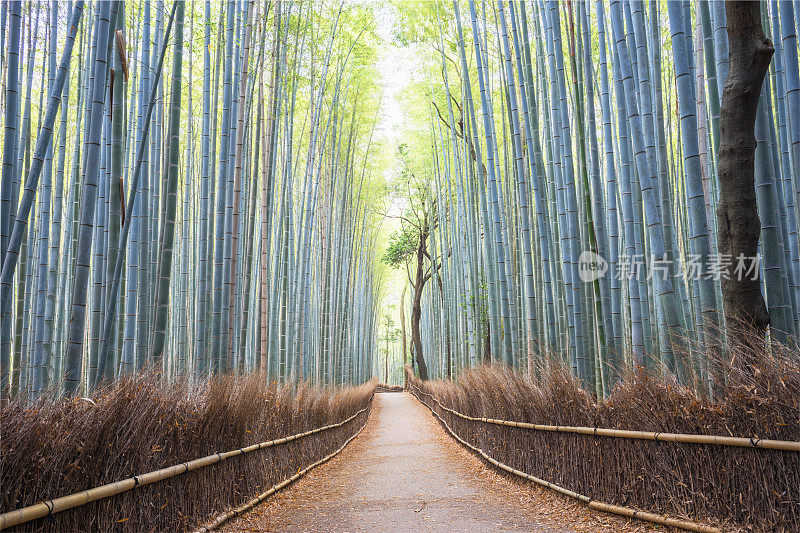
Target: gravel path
{"points": [[404, 473]]}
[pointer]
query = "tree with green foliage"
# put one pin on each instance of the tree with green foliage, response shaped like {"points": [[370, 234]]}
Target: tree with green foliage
{"points": [[409, 247]]}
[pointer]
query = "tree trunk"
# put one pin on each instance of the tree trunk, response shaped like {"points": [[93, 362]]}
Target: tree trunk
{"points": [[416, 309], [737, 214]]}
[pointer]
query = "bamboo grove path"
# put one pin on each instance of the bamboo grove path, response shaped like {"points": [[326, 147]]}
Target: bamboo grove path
{"points": [[404, 473]]}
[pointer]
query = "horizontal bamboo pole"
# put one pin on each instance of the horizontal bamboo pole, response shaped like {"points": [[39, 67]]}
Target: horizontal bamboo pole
{"points": [[224, 517], [594, 504], [720, 440], [49, 507]]}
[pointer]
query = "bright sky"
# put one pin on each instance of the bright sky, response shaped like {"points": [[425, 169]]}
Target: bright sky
{"points": [[397, 65]]}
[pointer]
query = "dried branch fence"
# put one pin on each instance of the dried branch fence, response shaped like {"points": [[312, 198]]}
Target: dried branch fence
{"points": [[140, 424], [720, 480], [57, 505]]}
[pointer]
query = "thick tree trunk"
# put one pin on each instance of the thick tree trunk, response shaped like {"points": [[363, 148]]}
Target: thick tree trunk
{"points": [[737, 214], [416, 308]]}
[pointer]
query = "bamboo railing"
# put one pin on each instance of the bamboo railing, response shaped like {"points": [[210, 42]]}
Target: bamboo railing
{"points": [[221, 519], [719, 440], [57, 505], [593, 504]]}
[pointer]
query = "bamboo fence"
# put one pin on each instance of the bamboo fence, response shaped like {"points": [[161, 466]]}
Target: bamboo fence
{"points": [[221, 519], [57, 505], [719, 440], [593, 504]]}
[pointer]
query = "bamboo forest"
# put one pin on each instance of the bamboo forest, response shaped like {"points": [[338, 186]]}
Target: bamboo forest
{"points": [[537, 260]]}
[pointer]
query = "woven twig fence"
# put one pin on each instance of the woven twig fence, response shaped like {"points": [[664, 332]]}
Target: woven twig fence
{"points": [[95, 508], [737, 480], [221, 519], [594, 504], [719, 440]]}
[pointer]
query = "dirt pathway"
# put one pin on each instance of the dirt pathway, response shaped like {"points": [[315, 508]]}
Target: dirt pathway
{"points": [[404, 473]]}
